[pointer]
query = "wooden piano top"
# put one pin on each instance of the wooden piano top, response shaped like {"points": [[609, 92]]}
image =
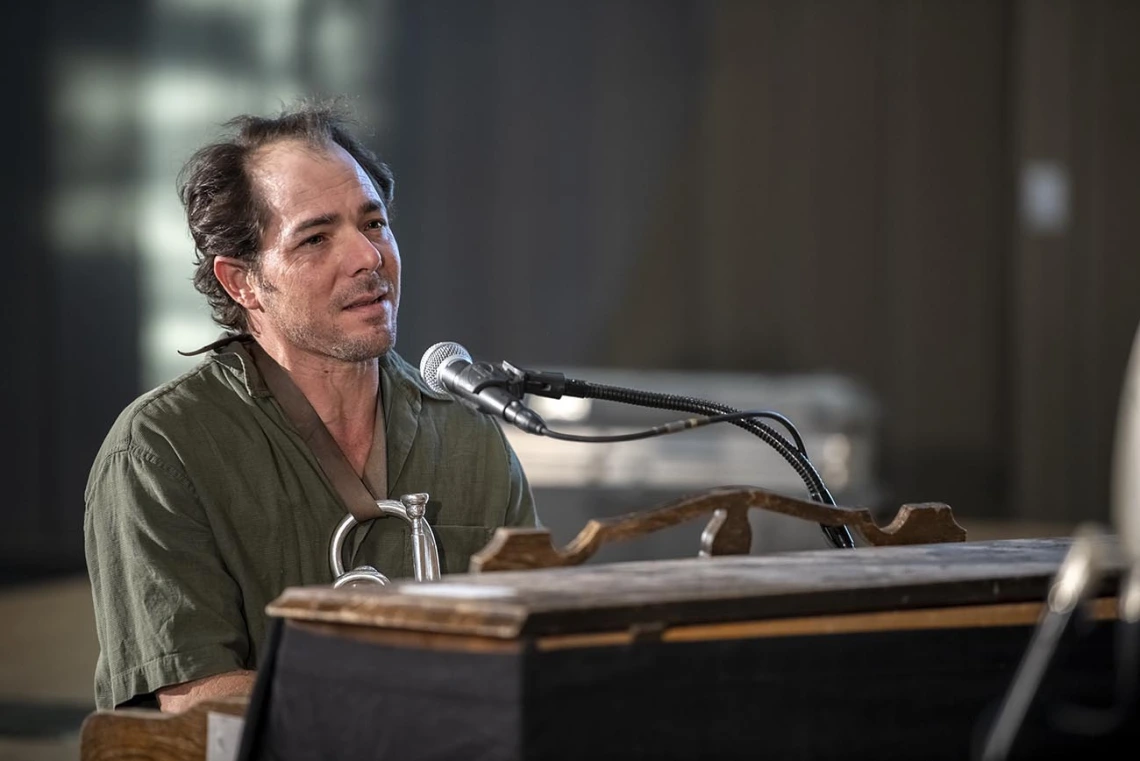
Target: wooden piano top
{"points": [[594, 598]]}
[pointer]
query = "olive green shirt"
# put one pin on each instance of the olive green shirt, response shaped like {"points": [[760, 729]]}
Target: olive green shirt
{"points": [[204, 504]]}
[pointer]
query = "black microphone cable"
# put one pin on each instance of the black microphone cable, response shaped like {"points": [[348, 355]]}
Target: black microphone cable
{"points": [[660, 430], [796, 456]]}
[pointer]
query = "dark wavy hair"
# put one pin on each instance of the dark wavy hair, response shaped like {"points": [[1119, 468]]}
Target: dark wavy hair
{"points": [[225, 214]]}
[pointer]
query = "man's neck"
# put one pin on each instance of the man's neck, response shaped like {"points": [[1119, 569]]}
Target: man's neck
{"points": [[343, 394]]}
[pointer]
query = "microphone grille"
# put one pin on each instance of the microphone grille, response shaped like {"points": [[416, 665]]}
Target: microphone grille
{"points": [[436, 356]]}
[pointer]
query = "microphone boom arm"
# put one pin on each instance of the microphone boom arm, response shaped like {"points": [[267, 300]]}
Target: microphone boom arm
{"points": [[556, 385]]}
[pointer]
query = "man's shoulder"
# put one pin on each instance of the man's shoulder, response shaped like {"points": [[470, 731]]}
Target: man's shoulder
{"points": [[405, 374], [208, 394], [451, 417]]}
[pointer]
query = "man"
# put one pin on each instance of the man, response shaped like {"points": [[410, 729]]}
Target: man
{"points": [[214, 492]]}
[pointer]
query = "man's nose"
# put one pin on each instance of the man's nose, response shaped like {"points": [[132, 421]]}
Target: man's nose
{"points": [[364, 253]]}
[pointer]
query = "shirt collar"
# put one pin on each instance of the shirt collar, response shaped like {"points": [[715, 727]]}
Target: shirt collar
{"points": [[397, 376]]}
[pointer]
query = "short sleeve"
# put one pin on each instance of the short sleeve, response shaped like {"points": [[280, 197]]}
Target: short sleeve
{"points": [[166, 610], [520, 502]]}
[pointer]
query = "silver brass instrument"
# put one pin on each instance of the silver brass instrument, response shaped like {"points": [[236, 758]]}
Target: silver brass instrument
{"points": [[425, 552]]}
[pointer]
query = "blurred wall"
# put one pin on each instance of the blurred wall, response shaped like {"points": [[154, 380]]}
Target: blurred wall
{"points": [[935, 198], [795, 186], [72, 353], [1073, 292]]}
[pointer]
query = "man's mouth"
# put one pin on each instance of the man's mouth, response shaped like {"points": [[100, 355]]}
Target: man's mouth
{"points": [[367, 300]]}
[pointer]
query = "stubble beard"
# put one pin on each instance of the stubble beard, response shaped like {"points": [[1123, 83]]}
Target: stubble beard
{"points": [[335, 344], [303, 332]]}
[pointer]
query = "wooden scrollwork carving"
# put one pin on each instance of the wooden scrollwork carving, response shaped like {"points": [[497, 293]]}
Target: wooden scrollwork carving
{"points": [[727, 533]]}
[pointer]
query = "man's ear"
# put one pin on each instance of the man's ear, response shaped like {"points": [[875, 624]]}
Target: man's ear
{"points": [[234, 276]]}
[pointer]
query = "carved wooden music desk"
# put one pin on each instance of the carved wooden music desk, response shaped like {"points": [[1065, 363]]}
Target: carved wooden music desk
{"points": [[876, 652]]}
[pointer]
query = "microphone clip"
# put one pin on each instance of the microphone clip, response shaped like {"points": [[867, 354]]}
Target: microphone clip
{"points": [[520, 382]]}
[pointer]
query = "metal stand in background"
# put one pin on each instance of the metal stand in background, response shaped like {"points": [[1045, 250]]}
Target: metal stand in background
{"points": [[1077, 579]]}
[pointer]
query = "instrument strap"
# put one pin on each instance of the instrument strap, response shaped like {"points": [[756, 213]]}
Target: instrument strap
{"points": [[359, 494]]}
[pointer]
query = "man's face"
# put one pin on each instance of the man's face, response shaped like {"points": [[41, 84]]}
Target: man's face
{"points": [[328, 281]]}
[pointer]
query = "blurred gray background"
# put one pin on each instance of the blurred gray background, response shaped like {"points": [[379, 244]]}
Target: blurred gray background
{"points": [[933, 202]]}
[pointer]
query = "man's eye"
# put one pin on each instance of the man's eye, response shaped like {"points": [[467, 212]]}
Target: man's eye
{"points": [[314, 240], [375, 224]]}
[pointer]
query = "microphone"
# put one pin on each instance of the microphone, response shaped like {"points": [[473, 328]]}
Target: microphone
{"points": [[1125, 488], [497, 390], [448, 368], [1078, 578]]}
